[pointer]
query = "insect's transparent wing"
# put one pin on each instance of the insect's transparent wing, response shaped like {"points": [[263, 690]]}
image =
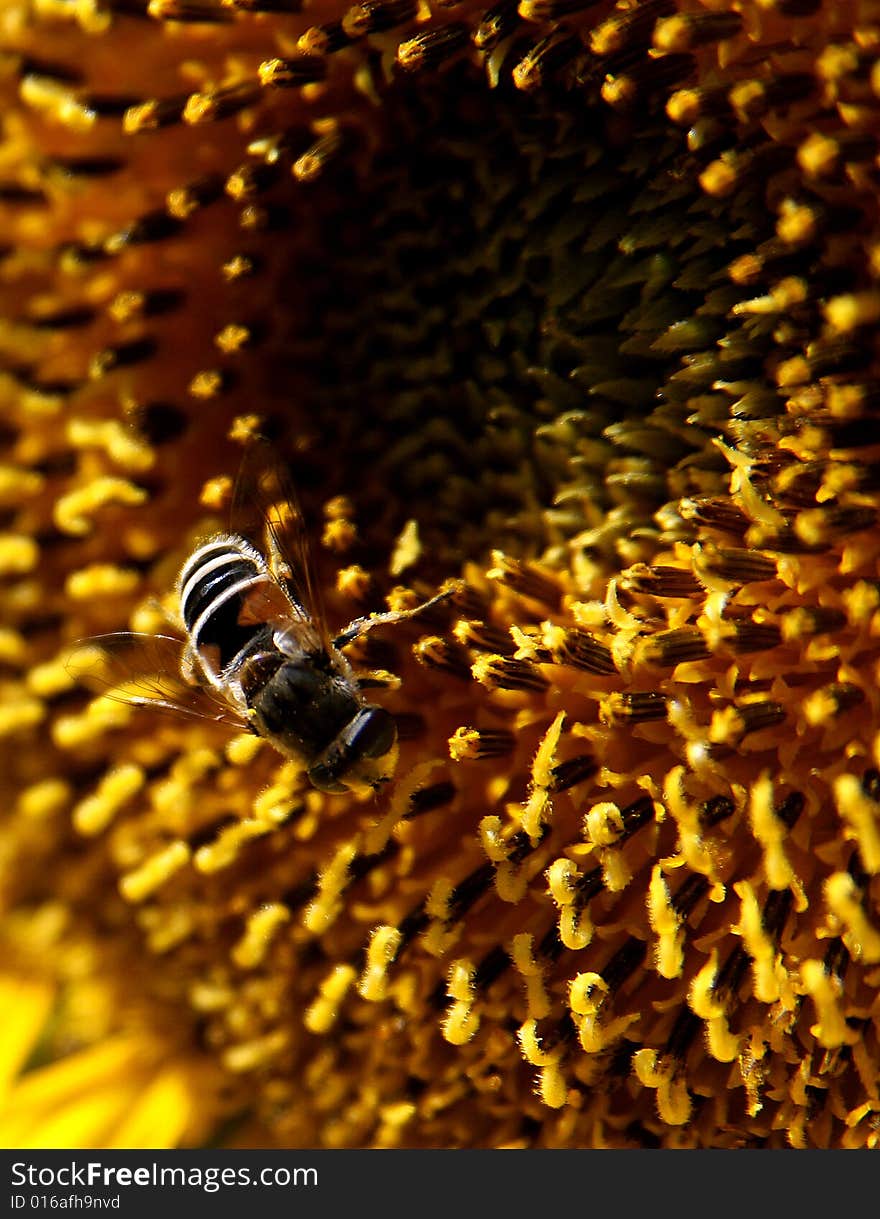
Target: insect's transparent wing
{"points": [[144, 671], [266, 510]]}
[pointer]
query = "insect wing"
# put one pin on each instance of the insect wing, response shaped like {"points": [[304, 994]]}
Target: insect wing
{"points": [[266, 509], [144, 671]]}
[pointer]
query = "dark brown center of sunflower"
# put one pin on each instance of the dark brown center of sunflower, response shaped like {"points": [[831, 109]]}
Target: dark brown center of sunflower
{"points": [[517, 319]]}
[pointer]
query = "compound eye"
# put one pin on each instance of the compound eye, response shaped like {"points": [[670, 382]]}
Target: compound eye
{"points": [[376, 733]]}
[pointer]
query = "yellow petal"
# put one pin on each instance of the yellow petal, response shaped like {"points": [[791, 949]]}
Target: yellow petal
{"points": [[75, 1102], [160, 1114], [25, 1005]]}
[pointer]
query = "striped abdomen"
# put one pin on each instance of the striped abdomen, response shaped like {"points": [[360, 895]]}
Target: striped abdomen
{"points": [[215, 586]]}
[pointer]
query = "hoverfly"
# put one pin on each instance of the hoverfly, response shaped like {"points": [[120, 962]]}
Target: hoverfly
{"points": [[257, 652]]}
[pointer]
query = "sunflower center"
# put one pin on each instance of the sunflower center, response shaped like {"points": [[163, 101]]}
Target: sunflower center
{"points": [[509, 308]]}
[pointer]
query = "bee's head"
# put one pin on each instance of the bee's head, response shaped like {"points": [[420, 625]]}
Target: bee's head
{"points": [[361, 757]]}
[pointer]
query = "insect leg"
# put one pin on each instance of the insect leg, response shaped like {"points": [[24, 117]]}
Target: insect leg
{"points": [[361, 626], [377, 679], [278, 563], [189, 667]]}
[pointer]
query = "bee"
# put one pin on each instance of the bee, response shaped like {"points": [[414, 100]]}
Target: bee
{"points": [[258, 653]]}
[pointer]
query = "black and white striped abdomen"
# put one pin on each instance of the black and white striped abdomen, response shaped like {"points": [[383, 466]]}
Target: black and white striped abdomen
{"points": [[213, 585]]}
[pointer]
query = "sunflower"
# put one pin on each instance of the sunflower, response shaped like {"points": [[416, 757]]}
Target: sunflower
{"points": [[572, 310]]}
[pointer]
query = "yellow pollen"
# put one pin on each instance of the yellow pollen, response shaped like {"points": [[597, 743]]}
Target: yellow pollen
{"points": [[383, 947], [461, 1023], [75, 511], [261, 928], [93, 814], [18, 554], [101, 580], [154, 872]]}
